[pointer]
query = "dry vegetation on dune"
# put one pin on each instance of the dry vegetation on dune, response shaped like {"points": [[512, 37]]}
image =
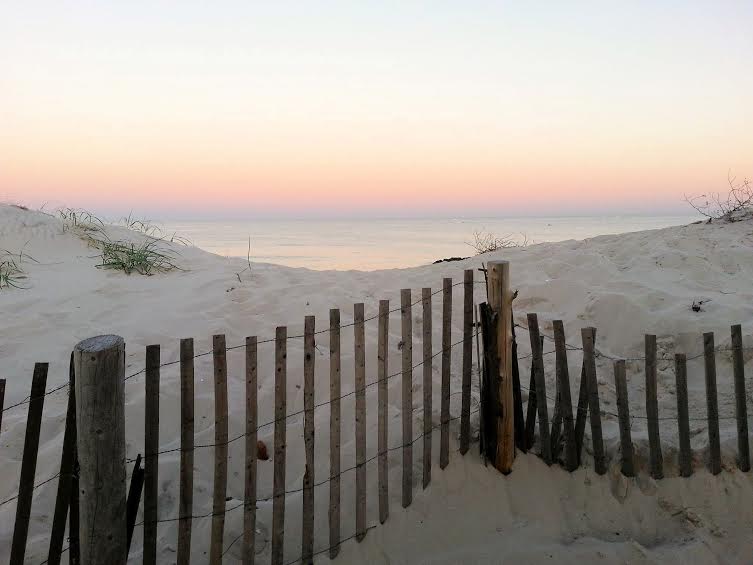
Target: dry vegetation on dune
{"points": [[149, 256]]}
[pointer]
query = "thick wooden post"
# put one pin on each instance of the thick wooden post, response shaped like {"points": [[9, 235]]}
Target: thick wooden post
{"points": [[681, 378], [307, 526], [623, 412], [427, 366], [360, 418], [334, 432], [278, 486], [652, 410], [500, 300], [151, 459], [249, 504], [383, 424], [407, 366], [444, 441], [185, 506], [29, 463], [219, 355], [741, 409], [712, 406], [100, 432]]}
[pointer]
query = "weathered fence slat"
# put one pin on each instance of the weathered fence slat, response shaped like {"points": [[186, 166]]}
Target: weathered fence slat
{"points": [[537, 360], [741, 409], [530, 431], [589, 358], [383, 424], [360, 424], [407, 370], [334, 432], [623, 413], [712, 406], [219, 356], [249, 491], [134, 498], [67, 462], [500, 300], [582, 411], [29, 463], [427, 367], [444, 442], [681, 379], [519, 420], [490, 405], [307, 527], [566, 405], [278, 487], [100, 435], [2, 400], [151, 447], [185, 505], [465, 407], [652, 410]]}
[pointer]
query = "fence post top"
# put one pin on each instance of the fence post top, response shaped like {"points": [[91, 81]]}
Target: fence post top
{"points": [[498, 262], [99, 343]]}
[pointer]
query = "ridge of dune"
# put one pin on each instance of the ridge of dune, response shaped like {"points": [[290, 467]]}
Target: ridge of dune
{"points": [[625, 285]]}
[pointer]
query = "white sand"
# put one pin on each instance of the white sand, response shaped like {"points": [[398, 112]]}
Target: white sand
{"points": [[624, 285]]}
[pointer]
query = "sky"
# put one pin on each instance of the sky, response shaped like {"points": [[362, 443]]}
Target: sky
{"points": [[338, 109]]}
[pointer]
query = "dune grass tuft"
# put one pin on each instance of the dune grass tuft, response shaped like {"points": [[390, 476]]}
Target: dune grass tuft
{"points": [[148, 257], [11, 273]]}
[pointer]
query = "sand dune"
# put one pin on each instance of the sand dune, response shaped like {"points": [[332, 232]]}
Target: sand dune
{"points": [[624, 285]]}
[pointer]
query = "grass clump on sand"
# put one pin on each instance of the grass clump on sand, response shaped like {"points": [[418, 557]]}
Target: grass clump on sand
{"points": [[148, 257], [11, 273]]}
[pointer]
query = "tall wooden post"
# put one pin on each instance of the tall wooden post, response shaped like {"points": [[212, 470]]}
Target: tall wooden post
{"points": [[100, 425], [500, 299]]}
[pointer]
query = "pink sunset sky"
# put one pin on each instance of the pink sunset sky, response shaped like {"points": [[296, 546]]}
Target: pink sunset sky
{"points": [[389, 109]]}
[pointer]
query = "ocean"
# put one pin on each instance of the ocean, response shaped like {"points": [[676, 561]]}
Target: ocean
{"points": [[371, 244]]}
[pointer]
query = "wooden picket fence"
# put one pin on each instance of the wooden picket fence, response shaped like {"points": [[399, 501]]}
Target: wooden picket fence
{"points": [[101, 516]]}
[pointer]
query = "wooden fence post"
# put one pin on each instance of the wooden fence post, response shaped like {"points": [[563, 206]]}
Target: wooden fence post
{"points": [[566, 403], [2, 400], [360, 417], [132, 502], [465, 409], [582, 410], [219, 355], [537, 360], [741, 409], [65, 482], [29, 464], [444, 442], [623, 413], [407, 366], [652, 410], [249, 495], [151, 447], [500, 300], [100, 433], [307, 527], [278, 487], [334, 432], [185, 506], [589, 361], [427, 367], [681, 378], [712, 406], [383, 424]]}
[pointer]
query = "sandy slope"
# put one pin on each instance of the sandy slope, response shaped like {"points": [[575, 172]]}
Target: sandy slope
{"points": [[624, 285]]}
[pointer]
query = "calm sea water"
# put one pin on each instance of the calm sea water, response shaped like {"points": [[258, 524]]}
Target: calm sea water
{"points": [[366, 244]]}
